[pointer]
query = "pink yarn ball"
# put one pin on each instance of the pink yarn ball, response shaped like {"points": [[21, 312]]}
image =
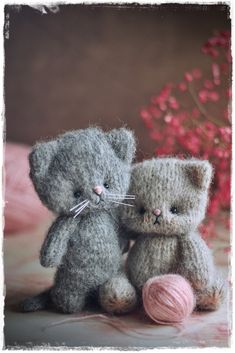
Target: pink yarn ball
{"points": [[168, 299], [23, 209]]}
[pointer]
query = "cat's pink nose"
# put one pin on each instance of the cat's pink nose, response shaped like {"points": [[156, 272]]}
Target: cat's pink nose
{"points": [[157, 212], [98, 190]]}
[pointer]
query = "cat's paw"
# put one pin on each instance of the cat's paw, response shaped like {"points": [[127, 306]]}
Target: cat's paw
{"points": [[210, 298], [118, 296], [67, 301]]}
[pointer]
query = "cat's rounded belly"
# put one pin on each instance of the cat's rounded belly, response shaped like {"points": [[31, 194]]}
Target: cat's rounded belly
{"points": [[151, 256], [93, 254]]}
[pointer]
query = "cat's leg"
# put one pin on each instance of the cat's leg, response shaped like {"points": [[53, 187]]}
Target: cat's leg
{"points": [[118, 295], [210, 297], [197, 266], [67, 300], [195, 261], [69, 292]]}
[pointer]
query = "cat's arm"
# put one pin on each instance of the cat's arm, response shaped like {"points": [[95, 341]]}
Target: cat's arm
{"points": [[124, 244], [196, 261], [55, 243], [125, 237], [127, 234]]}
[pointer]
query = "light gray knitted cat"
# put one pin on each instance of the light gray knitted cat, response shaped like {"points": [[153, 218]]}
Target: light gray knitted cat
{"points": [[170, 204], [82, 176]]}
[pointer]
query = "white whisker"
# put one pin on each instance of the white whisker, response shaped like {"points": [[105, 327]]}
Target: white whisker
{"points": [[122, 195], [81, 204], [119, 199], [122, 203], [78, 205], [81, 209]]}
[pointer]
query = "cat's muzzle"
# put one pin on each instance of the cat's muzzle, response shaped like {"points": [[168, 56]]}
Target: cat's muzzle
{"points": [[157, 221], [158, 214]]}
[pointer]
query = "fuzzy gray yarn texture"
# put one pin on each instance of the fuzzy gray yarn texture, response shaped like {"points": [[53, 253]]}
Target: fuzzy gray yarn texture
{"points": [[77, 167], [171, 200]]}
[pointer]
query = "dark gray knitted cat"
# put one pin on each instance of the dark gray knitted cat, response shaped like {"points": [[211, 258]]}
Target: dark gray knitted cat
{"points": [[82, 176], [170, 203]]}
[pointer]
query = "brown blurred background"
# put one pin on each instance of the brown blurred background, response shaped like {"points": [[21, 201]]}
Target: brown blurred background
{"points": [[98, 64]]}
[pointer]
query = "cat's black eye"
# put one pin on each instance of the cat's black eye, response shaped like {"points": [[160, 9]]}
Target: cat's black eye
{"points": [[174, 210], [142, 210], [106, 185], [77, 193]]}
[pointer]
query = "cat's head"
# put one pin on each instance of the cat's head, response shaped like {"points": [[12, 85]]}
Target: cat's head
{"points": [[80, 166], [171, 196]]}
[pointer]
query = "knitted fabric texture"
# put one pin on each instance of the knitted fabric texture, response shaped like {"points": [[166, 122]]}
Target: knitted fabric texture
{"points": [[85, 246], [170, 203]]}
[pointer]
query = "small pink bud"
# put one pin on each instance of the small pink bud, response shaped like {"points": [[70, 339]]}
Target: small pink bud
{"points": [[213, 41], [188, 76], [144, 114], [182, 86], [173, 103], [155, 112], [162, 106], [208, 84], [168, 118], [216, 73], [197, 74], [214, 96], [214, 53], [202, 95]]}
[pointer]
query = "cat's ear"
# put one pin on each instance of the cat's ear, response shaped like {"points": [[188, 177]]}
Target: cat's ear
{"points": [[199, 172], [40, 159], [123, 142]]}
